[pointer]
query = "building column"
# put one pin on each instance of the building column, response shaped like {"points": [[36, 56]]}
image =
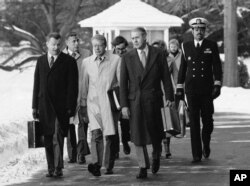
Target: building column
{"points": [[166, 36]]}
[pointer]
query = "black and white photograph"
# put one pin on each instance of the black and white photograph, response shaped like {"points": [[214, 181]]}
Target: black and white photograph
{"points": [[124, 92]]}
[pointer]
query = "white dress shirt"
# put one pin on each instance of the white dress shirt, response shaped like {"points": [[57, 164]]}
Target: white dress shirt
{"points": [[196, 42]]}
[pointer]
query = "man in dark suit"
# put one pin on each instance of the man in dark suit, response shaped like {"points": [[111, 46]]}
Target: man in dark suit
{"points": [[54, 100], [120, 48], [142, 71], [201, 72], [77, 151]]}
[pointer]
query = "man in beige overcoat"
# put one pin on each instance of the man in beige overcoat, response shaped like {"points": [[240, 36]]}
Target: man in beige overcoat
{"points": [[99, 73]]}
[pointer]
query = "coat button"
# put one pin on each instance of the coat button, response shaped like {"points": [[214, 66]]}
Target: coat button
{"points": [[202, 62], [193, 75], [193, 68], [193, 62]]}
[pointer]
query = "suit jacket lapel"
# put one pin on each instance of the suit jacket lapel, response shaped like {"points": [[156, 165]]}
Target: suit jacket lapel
{"points": [[46, 63], [106, 61], [135, 59], [150, 61], [57, 61], [194, 51]]}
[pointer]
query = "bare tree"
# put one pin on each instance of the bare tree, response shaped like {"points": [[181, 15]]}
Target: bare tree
{"points": [[58, 15], [51, 9]]}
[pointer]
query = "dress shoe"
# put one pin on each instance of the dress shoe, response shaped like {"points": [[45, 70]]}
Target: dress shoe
{"points": [[72, 161], [49, 174], [168, 155], [142, 173], [155, 165], [94, 169], [109, 171], [81, 160], [58, 173], [196, 160], [206, 152], [126, 148]]}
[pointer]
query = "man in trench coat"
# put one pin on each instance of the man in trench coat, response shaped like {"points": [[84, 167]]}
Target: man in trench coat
{"points": [[142, 71], [54, 100], [77, 150], [99, 73]]}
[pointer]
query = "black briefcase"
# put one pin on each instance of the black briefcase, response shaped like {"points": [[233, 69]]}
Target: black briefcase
{"points": [[35, 138], [113, 95], [171, 121]]}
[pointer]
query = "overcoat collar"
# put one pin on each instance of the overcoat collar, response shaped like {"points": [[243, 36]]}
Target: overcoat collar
{"points": [[57, 61], [66, 51], [150, 61], [105, 56], [136, 60]]}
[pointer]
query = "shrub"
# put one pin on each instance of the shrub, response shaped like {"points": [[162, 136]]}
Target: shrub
{"points": [[243, 75]]}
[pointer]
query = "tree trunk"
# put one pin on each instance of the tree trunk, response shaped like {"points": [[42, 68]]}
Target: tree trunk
{"points": [[231, 77], [49, 11], [71, 22]]}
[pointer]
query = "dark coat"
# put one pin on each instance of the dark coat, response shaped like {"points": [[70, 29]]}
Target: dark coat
{"points": [[140, 90], [55, 91], [199, 69]]}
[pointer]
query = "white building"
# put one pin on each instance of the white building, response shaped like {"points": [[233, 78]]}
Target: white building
{"points": [[125, 15]]}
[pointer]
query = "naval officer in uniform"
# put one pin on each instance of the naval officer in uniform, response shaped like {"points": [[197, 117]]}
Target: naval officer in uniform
{"points": [[201, 72]]}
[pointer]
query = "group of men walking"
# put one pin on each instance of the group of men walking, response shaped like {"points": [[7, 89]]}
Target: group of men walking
{"points": [[70, 87]]}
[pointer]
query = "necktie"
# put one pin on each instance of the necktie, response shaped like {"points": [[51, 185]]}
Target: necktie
{"points": [[143, 58], [99, 60], [198, 47], [52, 60]]}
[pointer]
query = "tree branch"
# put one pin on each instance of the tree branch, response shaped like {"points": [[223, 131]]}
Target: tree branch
{"points": [[68, 25], [20, 51], [38, 27], [23, 34], [17, 66]]}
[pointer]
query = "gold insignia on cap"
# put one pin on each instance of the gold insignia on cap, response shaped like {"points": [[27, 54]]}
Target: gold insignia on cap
{"points": [[198, 21]]}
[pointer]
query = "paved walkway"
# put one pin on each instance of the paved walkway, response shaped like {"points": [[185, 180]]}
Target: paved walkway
{"points": [[230, 149]]}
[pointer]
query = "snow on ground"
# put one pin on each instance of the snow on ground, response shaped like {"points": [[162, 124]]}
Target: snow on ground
{"points": [[233, 100], [17, 162]]}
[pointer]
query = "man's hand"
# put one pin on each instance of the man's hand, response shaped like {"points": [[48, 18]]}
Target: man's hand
{"points": [[125, 113], [216, 91], [180, 93], [35, 113], [83, 114]]}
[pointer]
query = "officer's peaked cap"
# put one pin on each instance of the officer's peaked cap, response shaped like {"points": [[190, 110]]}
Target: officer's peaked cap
{"points": [[198, 22]]}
